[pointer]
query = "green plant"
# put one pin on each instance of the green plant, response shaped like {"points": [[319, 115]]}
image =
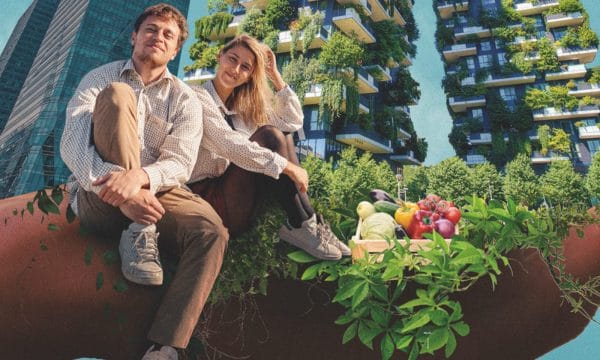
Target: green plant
{"points": [[520, 182], [341, 52], [456, 187], [458, 140], [592, 179], [279, 13], [594, 77], [300, 73], [562, 186], [216, 23], [543, 133], [548, 58], [559, 141]]}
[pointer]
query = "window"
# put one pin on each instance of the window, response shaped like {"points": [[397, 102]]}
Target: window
{"points": [[501, 58], [594, 146], [508, 94], [477, 113], [485, 61], [498, 43], [470, 63], [489, 4], [486, 46]]}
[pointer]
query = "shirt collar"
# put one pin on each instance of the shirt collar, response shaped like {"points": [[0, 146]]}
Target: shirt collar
{"points": [[213, 92], [128, 66]]}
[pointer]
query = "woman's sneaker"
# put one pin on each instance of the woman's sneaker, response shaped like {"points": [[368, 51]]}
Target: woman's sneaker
{"points": [[333, 239], [312, 238], [140, 261]]}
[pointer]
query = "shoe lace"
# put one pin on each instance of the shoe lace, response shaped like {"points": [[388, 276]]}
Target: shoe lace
{"points": [[146, 245]]}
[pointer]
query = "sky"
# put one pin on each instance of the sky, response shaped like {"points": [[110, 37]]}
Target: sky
{"points": [[430, 116]]}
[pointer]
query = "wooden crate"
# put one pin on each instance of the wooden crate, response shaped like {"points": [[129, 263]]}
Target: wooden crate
{"points": [[379, 245]]}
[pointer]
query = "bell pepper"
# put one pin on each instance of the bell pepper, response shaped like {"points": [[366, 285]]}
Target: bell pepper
{"points": [[405, 213], [422, 223]]}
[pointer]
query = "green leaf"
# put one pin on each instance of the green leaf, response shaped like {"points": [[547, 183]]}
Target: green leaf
{"points": [[380, 291], [461, 328], [344, 319], [361, 294], [379, 316], [468, 256], [439, 317], [30, 207], [70, 215], [110, 257], [46, 205], [89, 252], [404, 341], [414, 351], [437, 339], [301, 257], [387, 347], [450, 344], [366, 334], [57, 195], [346, 212], [347, 290], [350, 332], [53, 227], [120, 286], [416, 322], [416, 302], [311, 272], [99, 280]]}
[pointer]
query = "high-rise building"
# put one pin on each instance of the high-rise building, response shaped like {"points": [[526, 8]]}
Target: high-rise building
{"points": [[517, 82], [82, 35], [19, 52], [348, 100]]}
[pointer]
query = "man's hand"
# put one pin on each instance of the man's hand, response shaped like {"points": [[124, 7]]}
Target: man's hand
{"points": [[298, 175], [143, 208], [120, 186]]}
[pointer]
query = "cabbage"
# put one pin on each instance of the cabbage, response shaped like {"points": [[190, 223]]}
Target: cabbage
{"points": [[378, 226]]}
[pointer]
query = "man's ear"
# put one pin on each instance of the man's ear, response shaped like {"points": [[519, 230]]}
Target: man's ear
{"points": [[133, 36]]}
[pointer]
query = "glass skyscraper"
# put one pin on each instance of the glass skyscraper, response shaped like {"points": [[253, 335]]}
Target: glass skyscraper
{"points": [[82, 35]]}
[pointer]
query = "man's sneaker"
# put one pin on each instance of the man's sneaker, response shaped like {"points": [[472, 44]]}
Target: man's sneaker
{"points": [[311, 238], [165, 353], [140, 261], [326, 230]]}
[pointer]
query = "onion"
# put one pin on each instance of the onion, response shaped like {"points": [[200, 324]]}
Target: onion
{"points": [[444, 227]]}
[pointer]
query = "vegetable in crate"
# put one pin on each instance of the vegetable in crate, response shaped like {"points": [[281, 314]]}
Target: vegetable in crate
{"points": [[378, 226], [405, 213], [444, 227], [377, 194], [422, 223], [386, 207], [365, 209]]}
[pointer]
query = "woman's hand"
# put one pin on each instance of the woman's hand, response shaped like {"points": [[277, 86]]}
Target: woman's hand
{"points": [[298, 175], [271, 69]]}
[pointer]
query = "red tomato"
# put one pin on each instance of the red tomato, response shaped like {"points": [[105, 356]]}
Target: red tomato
{"points": [[452, 214]]}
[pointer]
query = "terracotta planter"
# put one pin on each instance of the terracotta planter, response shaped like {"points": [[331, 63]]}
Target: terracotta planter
{"points": [[52, 309]]}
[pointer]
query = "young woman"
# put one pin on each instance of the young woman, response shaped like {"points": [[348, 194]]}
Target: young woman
{"points": [[247, 152]]}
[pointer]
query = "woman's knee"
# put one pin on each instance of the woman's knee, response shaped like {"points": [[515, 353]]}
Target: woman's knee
{"points": [[270, 137]]}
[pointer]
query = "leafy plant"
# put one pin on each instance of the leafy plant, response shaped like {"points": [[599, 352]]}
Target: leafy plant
{"points": [[217, 23], [520, 181]]}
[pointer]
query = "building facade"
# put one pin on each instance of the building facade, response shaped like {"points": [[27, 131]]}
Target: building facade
{"points": [[82, 35], [347, 101], [517, 81]]}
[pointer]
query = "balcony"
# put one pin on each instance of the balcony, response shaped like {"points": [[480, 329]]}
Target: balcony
{"points": [[559, 114], [494, 80], [364, 139], [589, 132], [261, 4], [455, 52], [562, 19], [402, 134], [570, 72], [198, 76], [448, 7], [583, 55], [474, 159], [349, 22], [461, 104], [231, 30], [407, 158], [521, 40], [313, 95], [585, 89], [285, 40], [480, 139], [468, 81], [366, 83], [379, 11], [464, 31], [381, 73], [398, 19], [364, 3], [526, 8], [539, 158]]}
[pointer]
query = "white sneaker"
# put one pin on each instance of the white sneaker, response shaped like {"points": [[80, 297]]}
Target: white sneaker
{"points": [[165, 353], [312, 238], [140, 261], [333, 239]]}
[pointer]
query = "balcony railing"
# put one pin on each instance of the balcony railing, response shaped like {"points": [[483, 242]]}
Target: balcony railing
{"points": [[348, 20], [504, 80], [364, 104], [379, 11], [474, 159], [313, 95], [285, 40], [398, 19], [261, 4], [448, 7], [230, 31], [571, 72], [406, 158], [464, 31], [461, 103], [527, 8], [364, 139], [585, 89], [456, 51], [364, 3], [589, 132], [199, 76], [562, 19], [480, 138], [366, 82], [584, 55], [559, 114], [538, 158]]}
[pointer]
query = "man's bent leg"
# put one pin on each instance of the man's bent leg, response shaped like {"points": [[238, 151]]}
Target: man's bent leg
{"points": [[192, 230]]}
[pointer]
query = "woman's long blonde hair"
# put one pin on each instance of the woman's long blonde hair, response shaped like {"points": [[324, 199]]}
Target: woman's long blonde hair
{"points": [[251, 100]]}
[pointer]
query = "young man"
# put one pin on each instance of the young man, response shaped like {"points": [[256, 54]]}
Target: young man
{"points": [[131, 137]]}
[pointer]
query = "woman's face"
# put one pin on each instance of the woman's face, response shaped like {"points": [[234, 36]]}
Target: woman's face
{"points": [[235, 67]]}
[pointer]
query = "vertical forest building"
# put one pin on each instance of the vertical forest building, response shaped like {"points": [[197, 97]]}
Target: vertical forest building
{"points": [[54, 44], [517, 80], [347, 61]]}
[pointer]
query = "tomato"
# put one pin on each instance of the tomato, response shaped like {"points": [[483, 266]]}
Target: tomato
{"points": [[453, 214]]}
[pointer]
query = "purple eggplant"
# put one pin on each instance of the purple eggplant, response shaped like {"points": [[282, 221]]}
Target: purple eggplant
{"points": [[377, 194]]}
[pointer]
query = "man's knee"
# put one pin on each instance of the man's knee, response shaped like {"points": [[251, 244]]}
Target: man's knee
{"points": [[270, 137], [117, 96]]}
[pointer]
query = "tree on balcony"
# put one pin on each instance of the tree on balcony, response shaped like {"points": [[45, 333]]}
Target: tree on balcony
{"points": [[520, 182], [499, 113], [307, 25], [562, 186], [594, 76], [499, 150], [217, 23], [402, 91], [390, 44], [215, 6], [559, 141], [566, 6], [279, 13], [256, 24], [411, 25], [444, 36], [548, 58], [459, 141], [592, 180]]}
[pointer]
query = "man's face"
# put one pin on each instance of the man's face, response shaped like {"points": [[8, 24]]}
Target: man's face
{"points": [[156, 41]]}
